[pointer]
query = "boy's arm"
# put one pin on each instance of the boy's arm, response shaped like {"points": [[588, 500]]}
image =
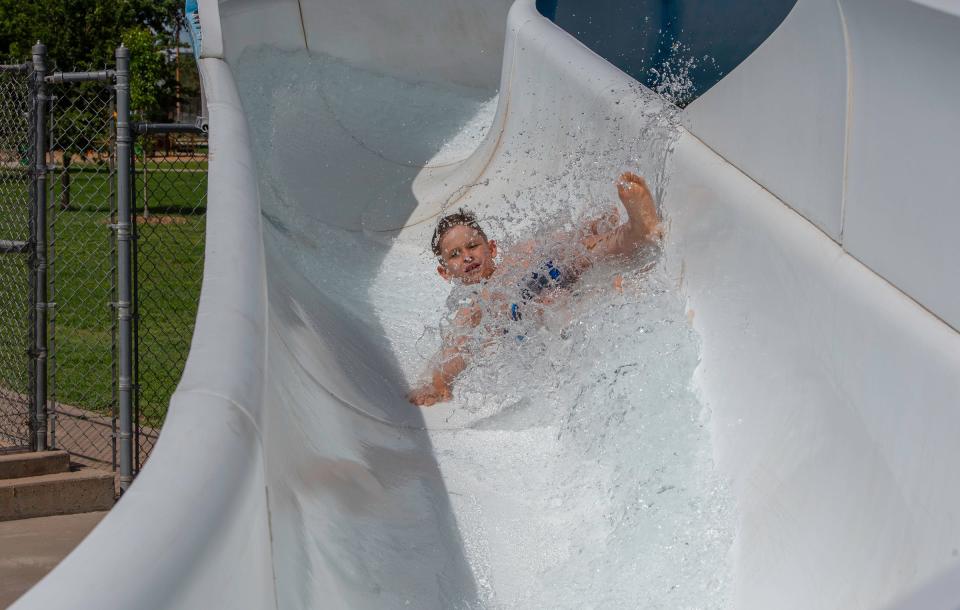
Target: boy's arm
{"points": [[450, 362]]}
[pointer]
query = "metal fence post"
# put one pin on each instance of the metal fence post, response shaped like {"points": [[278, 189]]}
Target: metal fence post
{"points": [[39, 52], [125, 364]]}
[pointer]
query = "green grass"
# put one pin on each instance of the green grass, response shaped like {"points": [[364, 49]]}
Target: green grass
{"points": [[170, 267]]}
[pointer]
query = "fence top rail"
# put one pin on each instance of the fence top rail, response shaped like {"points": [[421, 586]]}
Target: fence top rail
{"points": [[76, 77], [14, 67], [148, 128], [13, 246]]}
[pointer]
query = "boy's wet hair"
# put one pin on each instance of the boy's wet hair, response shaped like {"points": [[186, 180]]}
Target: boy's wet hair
{"points": [[460, 217]]}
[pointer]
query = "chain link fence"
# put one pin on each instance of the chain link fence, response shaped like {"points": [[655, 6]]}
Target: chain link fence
{"points": [[16, 310], [82, 258], [170, 221], [90, 175]]}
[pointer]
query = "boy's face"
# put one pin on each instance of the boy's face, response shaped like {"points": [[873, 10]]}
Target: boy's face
{"points": [[466, 255]]}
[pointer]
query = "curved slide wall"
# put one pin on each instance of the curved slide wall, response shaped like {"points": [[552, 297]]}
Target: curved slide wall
{"points": [[287, 474], [847, 113]]}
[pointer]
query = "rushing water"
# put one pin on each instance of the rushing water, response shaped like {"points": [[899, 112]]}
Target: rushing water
{"points": [[575, 451]]}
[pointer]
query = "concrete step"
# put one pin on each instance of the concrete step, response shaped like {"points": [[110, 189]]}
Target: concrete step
{"points": [[62, 493], [34, 463]]}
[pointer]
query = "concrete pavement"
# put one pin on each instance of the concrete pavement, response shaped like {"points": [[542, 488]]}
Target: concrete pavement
{"points": [[30, 548]]}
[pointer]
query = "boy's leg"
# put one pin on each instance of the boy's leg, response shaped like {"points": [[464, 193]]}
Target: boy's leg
{"points": [[643, 223]]}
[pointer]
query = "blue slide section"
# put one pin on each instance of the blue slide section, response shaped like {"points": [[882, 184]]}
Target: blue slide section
{"points": [[192, 12], [697, 39]]}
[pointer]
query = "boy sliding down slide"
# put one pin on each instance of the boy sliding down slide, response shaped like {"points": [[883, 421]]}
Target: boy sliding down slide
{"points": [[467, 257]]}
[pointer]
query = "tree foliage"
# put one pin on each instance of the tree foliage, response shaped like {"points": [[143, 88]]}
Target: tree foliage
{"points": [[84, 34], [80, 32], [149, 68]]}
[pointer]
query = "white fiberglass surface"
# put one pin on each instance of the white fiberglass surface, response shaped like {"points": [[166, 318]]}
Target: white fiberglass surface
{"points": [[575, 455]]}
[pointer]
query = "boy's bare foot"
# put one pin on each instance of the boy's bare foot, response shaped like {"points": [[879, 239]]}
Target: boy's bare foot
{"points": [[636, 197]]}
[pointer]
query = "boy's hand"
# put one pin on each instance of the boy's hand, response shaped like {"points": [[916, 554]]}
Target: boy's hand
{"points": [[607, 222], [430, 395]]}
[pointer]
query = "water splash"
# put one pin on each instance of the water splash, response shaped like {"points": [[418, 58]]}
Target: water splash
{"points": [[577, 457]]}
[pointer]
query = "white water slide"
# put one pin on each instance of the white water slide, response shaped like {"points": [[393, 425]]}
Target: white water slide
{"points": [[790, 436]]}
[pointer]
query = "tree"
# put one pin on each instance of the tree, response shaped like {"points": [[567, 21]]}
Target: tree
{"points": [[151, 81], [83, 35]]}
